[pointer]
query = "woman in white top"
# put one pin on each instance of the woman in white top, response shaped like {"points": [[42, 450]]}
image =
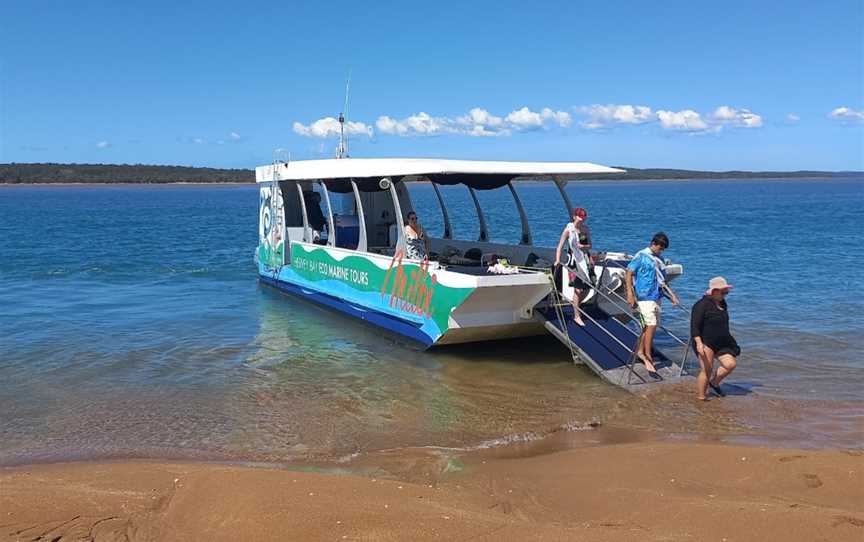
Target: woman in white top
{"points": [[416, 242], [579, 237]]}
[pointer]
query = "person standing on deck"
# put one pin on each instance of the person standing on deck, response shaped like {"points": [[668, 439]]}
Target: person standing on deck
{"points": [[314, 215], [585, 241], [578, 235], [650, 283], [709, 329]]}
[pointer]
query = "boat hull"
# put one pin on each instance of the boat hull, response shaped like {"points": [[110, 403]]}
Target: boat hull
{"points": [[394, 325], [418, 300]]}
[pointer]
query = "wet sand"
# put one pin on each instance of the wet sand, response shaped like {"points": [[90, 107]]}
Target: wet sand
{"points": [[632, 491]]}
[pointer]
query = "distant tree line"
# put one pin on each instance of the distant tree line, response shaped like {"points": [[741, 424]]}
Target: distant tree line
{"points": [[140, 173], [113, 173]]}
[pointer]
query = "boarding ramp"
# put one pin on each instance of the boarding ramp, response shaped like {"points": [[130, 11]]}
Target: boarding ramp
{"points": [[606, 345]]}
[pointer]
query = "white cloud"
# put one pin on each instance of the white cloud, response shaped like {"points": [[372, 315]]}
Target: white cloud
{"points": [[423, 123], [792, 118], [387, 125], [235, 136], [524, 119], [847, 114], [103, 145], [685, 121], [329, 127], [738, 118], [420, 124], [561, 118], [600, 116], [199, 140], [478, 122], [480, 117]]}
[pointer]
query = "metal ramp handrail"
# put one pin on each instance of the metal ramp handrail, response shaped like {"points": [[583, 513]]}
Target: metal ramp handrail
{"points": [[633, 354], [558, 305], [559, 312], [611, 293]]}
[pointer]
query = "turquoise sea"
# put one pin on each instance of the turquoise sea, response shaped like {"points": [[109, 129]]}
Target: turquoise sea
{"points": [[132, 324]]}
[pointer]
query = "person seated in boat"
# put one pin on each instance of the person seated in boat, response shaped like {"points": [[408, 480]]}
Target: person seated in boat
{"points": [[709, 329], [313, 212], [577, 263], [416, 241], [650, 286]]}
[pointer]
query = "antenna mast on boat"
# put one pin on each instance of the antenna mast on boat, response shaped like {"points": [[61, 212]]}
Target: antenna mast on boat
{"points": [[342, 149]]}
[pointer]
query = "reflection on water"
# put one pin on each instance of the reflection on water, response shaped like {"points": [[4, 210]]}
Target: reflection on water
{"points": [[157, 341]]}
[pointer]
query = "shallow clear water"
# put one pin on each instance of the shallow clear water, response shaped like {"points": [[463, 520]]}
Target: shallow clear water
{"points": [[133, 325]]}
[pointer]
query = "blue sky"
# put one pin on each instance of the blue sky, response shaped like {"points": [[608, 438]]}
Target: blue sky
{"points": [[731, 85]]}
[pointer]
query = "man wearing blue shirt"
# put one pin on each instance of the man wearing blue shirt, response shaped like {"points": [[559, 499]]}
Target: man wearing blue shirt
{"points": [[650, 284]]}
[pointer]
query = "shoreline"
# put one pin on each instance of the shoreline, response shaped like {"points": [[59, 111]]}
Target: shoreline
{"points": [[851, 178], [89, 184], [644, 490]]}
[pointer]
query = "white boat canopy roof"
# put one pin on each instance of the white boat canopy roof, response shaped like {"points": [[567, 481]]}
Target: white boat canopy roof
{"points": [[478, 174]]}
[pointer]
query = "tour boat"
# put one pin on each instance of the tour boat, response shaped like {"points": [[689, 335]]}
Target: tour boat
{"points": [[345, 248]]}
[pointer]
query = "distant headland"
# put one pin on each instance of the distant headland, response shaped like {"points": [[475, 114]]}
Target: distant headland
{"points": [[147, 174]]}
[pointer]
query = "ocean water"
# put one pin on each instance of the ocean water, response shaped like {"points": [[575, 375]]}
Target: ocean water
{"points": [[132, 325]]}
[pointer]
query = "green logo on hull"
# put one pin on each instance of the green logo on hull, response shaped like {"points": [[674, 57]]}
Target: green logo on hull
{"points": [[406, 287]]}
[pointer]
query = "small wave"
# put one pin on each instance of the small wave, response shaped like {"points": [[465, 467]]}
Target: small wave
{"points": [[531, 436], [348, 458], [507, 440]]}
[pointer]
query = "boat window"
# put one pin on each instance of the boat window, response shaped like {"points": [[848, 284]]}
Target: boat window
{"points": [[426, 206], [345, 220], [545, 209], [343, 204], [291, 203], [380, 221], [501, 214], [463, 217], [317, 214]]}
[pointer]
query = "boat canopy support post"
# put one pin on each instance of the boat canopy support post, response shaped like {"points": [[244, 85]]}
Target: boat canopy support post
{"points": [[400, 220], [526, 238], [448, 232], [307, 231], [484, 232], [562, 185], [331, 233], [361, 219]]}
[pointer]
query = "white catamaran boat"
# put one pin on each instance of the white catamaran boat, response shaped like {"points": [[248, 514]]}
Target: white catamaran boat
{"points": [[333, 232]]}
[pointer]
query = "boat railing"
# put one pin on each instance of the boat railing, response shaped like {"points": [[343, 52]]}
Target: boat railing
{"points": [[559, 304], [616, 299]]}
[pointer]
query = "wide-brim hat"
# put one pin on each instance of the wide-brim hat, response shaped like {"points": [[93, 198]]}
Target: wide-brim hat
{"points": [[717, 283]]}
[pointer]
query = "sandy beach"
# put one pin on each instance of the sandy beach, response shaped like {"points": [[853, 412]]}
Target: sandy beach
{"points": [[636, 491]]}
